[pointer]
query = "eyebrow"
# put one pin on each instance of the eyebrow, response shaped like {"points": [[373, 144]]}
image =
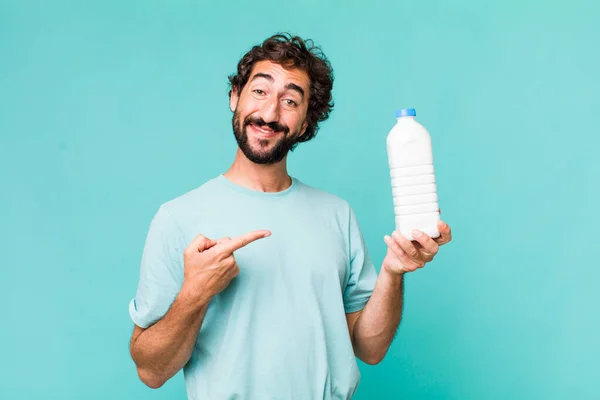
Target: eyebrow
{"points": [[289, 86]]}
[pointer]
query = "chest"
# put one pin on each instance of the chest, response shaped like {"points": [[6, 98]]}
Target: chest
{"points": [[304, 246], [301, 249]]}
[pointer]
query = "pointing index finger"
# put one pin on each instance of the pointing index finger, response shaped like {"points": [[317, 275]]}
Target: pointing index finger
{"points": [[241, 241]]}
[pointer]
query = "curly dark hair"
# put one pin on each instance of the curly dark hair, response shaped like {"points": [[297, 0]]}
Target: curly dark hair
{"points": [[293, 52]]}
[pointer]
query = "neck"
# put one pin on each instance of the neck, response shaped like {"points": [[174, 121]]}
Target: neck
{"points": [[263, 178]]}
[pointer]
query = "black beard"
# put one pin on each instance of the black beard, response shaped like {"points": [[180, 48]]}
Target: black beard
{"points": [[277, 152]]}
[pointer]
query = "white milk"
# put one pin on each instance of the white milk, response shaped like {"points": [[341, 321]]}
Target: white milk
{"points": [[410, 158]]}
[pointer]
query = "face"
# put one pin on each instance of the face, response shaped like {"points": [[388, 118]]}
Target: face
{"points": [[270, 112]]}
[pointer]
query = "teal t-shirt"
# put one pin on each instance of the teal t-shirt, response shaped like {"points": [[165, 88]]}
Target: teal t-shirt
{"points": [[279, 330]]}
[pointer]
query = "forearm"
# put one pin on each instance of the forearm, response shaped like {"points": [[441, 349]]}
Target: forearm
{"points": [[160, 351], [376, 326]]}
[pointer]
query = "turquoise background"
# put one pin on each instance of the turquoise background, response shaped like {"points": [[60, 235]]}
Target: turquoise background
{"points": [[108, 109]]}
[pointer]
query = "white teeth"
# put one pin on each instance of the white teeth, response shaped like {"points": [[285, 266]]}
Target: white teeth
{"points": [[263, 130]]}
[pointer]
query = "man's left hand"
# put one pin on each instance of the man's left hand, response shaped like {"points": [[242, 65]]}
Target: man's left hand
{"points": [[406, 256]]}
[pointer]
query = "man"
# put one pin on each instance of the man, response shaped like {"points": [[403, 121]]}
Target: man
{"points": [[255, 283]]}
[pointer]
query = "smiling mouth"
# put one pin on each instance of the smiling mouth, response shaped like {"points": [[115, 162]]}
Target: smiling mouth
{"points": [[264, 130]]}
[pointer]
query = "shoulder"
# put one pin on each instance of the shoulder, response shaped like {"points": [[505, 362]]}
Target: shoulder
{"points": [[319, 199], [316, 194], [188, 203]]}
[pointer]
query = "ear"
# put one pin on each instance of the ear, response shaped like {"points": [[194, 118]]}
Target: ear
{"points": [[304, 126], [233, 99]]}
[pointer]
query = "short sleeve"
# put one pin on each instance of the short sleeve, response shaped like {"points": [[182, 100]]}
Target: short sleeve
{"points": [[363, 275], [161, 271]]}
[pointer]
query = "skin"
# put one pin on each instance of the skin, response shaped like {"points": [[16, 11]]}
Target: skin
{"points": [[164, 348], [274, 95], [273, 101]]}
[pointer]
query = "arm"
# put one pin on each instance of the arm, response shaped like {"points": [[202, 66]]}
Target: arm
{"points": [[372, 329], [165, 347]]}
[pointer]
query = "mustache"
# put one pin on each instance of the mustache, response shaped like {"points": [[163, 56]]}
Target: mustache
{"points": [[258, 121]]}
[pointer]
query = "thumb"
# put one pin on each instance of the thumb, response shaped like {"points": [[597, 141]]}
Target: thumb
{"points": [[200, 243]]}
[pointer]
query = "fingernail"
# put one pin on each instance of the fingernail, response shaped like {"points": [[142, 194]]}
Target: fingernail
{"points": [[396, 234], [417, 233], [443, 224]]}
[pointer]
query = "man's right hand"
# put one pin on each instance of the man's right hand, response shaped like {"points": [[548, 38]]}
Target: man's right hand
{"points": [[209, 266], [162, 349]]}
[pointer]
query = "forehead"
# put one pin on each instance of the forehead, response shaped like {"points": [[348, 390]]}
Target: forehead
{"points": [[281, 75]]}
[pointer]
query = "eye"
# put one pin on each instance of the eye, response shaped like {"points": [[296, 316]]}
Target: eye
{"points": [[259, 92], [291, 103]]}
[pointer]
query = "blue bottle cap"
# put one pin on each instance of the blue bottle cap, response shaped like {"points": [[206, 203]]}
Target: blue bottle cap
{"points": [[406, 112]]}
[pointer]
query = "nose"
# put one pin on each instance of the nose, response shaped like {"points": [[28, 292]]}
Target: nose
{"points": [[270, 110]]}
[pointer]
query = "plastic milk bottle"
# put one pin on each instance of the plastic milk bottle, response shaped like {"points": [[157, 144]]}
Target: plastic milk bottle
{"points": [[410, 158]]}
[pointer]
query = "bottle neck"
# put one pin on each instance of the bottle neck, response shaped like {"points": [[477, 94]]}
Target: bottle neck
{"points": [[408, 117]]}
